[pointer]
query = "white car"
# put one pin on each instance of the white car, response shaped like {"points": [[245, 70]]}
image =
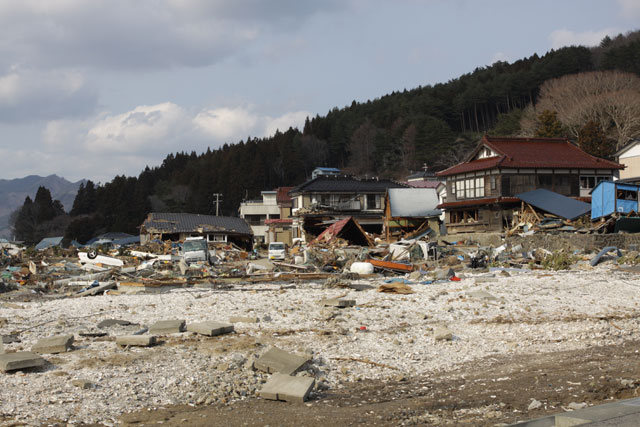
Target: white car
{"points": [[277, 250]]}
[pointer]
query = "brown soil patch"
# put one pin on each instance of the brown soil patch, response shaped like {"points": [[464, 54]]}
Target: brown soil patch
{"points": [[483, 393]]}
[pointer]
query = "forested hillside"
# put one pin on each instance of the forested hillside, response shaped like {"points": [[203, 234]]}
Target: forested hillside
{"points": [[388, 137]]}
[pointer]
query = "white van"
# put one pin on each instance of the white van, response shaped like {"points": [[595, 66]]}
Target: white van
{"points": [[277, 250], [195, 249]]}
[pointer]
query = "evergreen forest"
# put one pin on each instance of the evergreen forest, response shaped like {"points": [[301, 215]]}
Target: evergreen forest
{"points": [[389, 137]]}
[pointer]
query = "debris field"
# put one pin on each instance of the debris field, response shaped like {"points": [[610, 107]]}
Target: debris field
{"points": [[224, 341]]}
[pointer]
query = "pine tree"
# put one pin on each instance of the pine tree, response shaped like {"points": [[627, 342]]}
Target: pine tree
{"points": [[593, 140], [549, 126]]}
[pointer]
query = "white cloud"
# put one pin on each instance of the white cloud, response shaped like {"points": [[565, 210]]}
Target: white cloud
{"points": [[499, 56], [283, 123], [125, 143], [148, 127], [564, 37], [223, 124]]}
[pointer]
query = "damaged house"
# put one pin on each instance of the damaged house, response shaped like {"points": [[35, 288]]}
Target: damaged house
{"points": [[178, 226], [409, 211], [326, 199], [481, 191]]}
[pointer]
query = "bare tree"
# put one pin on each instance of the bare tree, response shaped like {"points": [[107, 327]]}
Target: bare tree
{"points": [[409, 147], [610, 99], [362, 148]]}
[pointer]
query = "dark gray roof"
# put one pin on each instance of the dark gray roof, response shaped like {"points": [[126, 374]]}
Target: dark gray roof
{"points": [[422, 174], [554, 203], [113, 235], [345, 184], [185, 223]]}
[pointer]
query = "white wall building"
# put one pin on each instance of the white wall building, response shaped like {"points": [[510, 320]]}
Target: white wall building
{"points": [[255, 212]]}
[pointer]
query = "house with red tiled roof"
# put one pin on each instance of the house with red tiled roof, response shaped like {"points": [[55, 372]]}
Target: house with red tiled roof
{"points": [[481, 191]]}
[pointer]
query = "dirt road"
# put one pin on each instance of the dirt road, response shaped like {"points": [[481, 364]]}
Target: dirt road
{"points": [[489, 392]]}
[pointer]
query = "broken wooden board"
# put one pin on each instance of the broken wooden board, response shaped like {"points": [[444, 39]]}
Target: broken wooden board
{"points": [[390, 265]]}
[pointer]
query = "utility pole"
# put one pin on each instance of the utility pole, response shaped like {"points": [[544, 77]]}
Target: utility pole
{"points": [[217, 201]]}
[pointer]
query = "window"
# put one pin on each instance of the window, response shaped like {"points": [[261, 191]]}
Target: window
{"points": [[470, 188], [545, 181], [373, 201], [589, 182], [217, 237], [626, 194], [465, 216]]}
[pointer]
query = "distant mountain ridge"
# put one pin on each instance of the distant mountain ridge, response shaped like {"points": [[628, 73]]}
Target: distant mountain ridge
{"points": [[14, 191]]}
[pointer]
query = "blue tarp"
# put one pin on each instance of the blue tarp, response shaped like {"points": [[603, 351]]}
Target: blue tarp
{"points": [[554, 203]]}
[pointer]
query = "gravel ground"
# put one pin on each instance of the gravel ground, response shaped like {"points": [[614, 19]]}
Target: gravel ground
{"points": [[533, 312]]}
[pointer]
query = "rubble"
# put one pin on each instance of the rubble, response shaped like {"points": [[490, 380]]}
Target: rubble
{"points": [[513, 296]]}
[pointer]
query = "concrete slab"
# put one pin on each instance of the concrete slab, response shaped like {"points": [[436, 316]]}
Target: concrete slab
{"points": [[243, 319], [287, 388], [167, 327], [338, 302], [210, 328], [8, 339], [277, 360], [540, 422], [620, 414], [136, 340], [20, 360], [53, 345], [481, 294], [599, 413]]}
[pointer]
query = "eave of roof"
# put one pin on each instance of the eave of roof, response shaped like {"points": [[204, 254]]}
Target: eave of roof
{"points": [[478, 202]]}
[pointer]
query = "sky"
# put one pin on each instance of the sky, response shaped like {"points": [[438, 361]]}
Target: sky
{"points": [[98, 88]]}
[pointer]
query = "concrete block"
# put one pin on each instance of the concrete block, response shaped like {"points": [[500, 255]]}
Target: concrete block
{"points": [[287, 388], [20, 360], [243, 319], [277, 360], [167, 327], [442, 333], [83, 384], [107, 323], [337, 302], [136, 340], [210, 328], [53, 345]]}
